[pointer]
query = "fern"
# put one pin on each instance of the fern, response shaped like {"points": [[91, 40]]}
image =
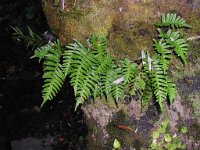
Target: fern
{"points": [[162, 49], [53, 71], [128, 70], [173, 21], [107, 79], [93, 72], [98, 44], [171, 91], [174, 41], [82, 66], [180, 47], [159, 83], [32, 39]]}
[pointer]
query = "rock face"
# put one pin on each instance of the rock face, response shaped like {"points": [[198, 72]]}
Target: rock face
{"points": [[128, 24]]}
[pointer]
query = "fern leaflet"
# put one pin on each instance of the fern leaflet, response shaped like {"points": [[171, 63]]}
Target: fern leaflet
{"points": [[171, 91], [172, 20]]}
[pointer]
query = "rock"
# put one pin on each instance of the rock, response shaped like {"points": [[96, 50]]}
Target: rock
{"points": [[134, 109], [99, 113], [32, 143]]}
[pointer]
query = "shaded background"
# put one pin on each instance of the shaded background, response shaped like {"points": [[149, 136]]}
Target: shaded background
{"points": [[21, 82]]}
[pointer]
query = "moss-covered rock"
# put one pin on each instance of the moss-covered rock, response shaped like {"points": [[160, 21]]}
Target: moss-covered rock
{"points": [[128, 24]]}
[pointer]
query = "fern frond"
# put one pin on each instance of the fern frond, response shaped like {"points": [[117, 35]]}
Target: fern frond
{"points": [[138, 83], [82, 65], [98, 43], [32, 39], [180, 47], [171, 91], [117, 91], [86, 89], [128, 70], [53, 74], [147, 92], [117, 85], [172, 20], [162, 49], [97, 90], [174, 41], [107, 79], [104, 65], [73, 50], [159, 83], [170, 35], [43, 51]]}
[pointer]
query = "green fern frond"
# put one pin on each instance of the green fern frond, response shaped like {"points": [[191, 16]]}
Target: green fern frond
{"points": [[159, 83], [162, 49], [128, 70], [98, 43], [117, 91], [174, 41], [107, 79], [170, 35], [73, 50], [171, 91], [147, 92], [97, 90], [53, 74], [87, 88], [137, 84], [43, 51], [172, 20], [82, 65], [180, 47], [104, 65]]}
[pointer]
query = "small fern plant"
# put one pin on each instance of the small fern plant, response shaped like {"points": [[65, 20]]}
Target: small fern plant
{"points": [[92, 71], [156, 68]]}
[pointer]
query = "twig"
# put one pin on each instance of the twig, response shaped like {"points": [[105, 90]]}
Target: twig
{"points": [[193, 38]]}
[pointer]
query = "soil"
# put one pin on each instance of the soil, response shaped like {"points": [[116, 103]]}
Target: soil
{"points": [[21, 82]]}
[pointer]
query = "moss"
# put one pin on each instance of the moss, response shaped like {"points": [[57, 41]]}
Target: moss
{"points": [[178, 70], [125, 23], [194, 98], [128, 44]]}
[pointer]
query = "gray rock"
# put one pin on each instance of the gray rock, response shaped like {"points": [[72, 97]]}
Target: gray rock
{"points": [[31, 143]]}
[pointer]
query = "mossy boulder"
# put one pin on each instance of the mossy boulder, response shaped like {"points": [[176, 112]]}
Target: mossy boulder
{"points": [[128, 24]]}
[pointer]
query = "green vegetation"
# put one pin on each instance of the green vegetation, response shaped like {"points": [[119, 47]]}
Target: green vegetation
{"points": [[116, 144], [94, 72], [32, 39], [162, 140]]}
